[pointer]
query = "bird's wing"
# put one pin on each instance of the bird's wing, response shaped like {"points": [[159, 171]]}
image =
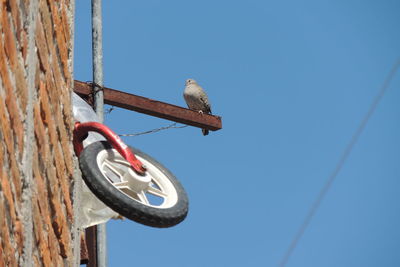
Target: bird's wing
{"points": [[207, 106]]}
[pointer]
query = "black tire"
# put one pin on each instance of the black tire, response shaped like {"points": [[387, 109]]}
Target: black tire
{"points": [[124, 204]]}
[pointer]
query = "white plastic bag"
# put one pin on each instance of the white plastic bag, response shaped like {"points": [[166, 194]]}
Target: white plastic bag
{"points": [[93, 210]]}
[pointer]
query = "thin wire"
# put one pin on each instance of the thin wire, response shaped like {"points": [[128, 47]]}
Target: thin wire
{"points": [[172, 126], [109, 110], [339, 165]]}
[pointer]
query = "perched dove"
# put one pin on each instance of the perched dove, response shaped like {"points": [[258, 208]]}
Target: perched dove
{"points": [[196, 99]]}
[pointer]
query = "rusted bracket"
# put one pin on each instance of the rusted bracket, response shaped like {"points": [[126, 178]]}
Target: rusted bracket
{"points": [[152, 107]]}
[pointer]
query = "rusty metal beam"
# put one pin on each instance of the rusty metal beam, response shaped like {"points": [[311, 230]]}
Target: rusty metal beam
{"points": [[91, 243], [152, 107], [84, 251]]}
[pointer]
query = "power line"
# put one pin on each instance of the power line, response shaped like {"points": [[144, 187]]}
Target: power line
{"points": [[171, 126], [339, 165]]}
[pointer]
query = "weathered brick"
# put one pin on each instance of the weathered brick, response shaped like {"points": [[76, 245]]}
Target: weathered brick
{"points": [[24, 46], [8, 197], [58, 76], [15, 16], [41, 190], [64, 183], [59, 34], [37, 222], [64, 19], [52, 92], [48, 24], [38, 75], [59, 226], [40, 132], [42, 46], [10, 42], [52, 241], [9, 142], [41, 231], [66, 141], [6, 129], [16, 178], [52, 131], [10, 100], [45, 108], [36, 260], [1, 154], [21, 87], [2, 208], [48, 27], [5, 77], [68, 161], [15, 119], [52, 163], [2, 255], [52, 184], [18, 235], [10, 259]]}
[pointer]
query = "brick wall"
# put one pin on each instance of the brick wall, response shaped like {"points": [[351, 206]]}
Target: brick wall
{"points": [[37, 225]]}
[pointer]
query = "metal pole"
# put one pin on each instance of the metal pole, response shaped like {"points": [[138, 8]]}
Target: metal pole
{"points": [[97, 57]]}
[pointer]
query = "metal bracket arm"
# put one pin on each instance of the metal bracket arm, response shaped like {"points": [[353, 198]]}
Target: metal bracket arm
{"points": [[81, 131]]}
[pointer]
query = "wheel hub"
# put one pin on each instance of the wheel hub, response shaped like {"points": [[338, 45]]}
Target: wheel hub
{"points": [[137, 182]]}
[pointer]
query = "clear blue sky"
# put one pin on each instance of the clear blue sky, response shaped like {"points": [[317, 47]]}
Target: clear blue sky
{"points": [[292, 81]]}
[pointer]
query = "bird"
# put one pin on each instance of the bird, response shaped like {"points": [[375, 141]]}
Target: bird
{"points": [[196, 99]]}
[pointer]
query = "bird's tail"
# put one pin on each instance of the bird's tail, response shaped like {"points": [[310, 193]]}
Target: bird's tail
{"points": [[205, 131]]}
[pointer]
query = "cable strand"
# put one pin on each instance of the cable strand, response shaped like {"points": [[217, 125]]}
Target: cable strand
{"points": [[339, 165], [171, 126]]}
